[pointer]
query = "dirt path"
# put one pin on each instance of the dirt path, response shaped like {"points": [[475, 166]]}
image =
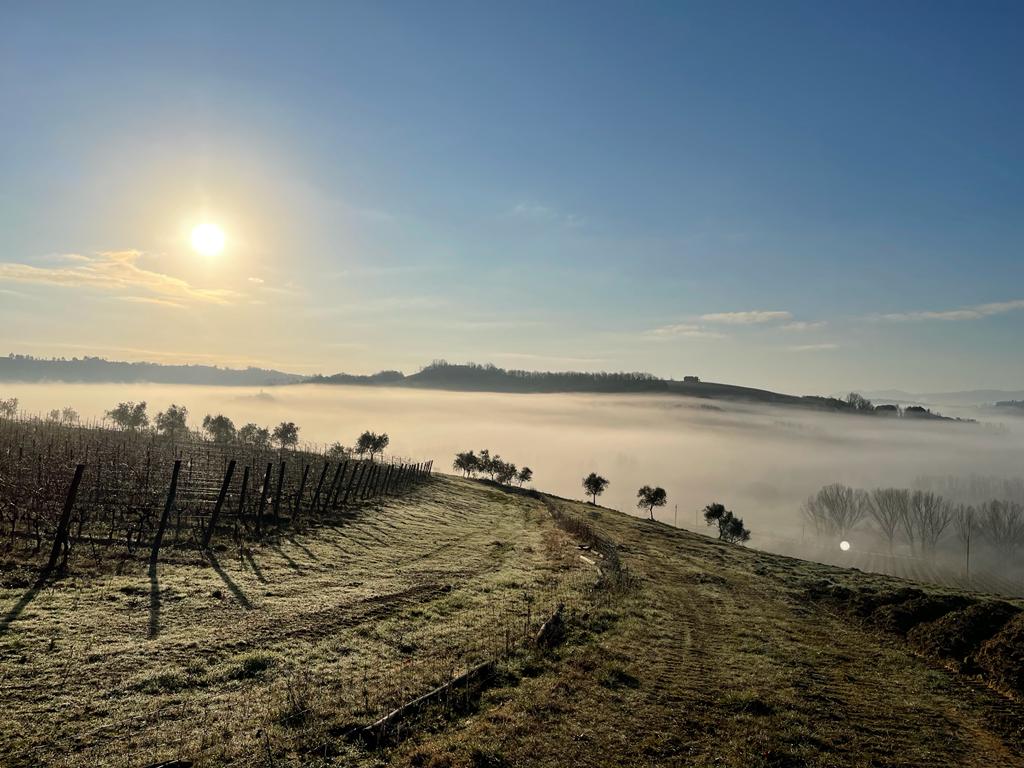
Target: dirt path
{"points": [[713, 657], [717, 659]]}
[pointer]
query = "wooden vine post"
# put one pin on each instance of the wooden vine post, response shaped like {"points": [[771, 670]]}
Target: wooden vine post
{"points": [[220, 503], [168, 506], [60, 541]]}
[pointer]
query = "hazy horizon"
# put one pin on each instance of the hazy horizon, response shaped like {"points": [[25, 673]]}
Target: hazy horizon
{"points": [[764, 461]]}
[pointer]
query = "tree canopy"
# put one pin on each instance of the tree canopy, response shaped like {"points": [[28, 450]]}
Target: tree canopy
{"points": [[648, 498], [172, 421], [220, 428], [730, 527], [594, 485], [129, 415]]}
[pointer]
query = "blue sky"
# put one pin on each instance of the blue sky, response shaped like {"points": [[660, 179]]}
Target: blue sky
{"points": [[805, 196]]}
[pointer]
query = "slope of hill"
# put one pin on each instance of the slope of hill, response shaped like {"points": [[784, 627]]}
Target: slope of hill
{"points": [[702, 654], [438, 375], [95, 369]]}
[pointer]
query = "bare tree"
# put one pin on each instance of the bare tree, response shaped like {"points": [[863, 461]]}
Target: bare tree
{"points": [[1002, 525], [887, 507], [965, 523], [930, 515], [836, 509]]}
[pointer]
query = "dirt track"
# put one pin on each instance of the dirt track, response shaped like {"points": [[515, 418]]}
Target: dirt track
{"points": [[714, 657], [717, 658]]}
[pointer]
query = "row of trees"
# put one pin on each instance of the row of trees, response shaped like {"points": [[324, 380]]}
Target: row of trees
{"points": [[9, 410], [920, 519], [221, 429], [730, 527], [470, 464]]}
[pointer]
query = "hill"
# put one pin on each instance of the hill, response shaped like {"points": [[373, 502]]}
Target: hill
{"points": [[673, 649], [96, 369], [468, 377]]}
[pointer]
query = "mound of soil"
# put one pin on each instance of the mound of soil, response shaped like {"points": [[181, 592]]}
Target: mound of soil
{"points": [[1002, 656], [959, 634], [902, 616], [862, 601]]}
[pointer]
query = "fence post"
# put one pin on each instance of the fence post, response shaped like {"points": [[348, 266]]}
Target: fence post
{"points": [[298, 496], [352, 483], [369, 480], [263, 500], [385, 486], [334, 502], [220, 503], [241, 498], [277, 496], [319, 487], [332, 489], [60, 541], [168, 506]]}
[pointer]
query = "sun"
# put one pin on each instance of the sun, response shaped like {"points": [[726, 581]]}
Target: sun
{"points": [[207, 239]]}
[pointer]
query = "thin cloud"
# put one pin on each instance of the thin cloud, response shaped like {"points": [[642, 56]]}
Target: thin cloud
{"points": [[976, 312], [752, 317], [114, 271], [549, 358], [151, 300], [803, 325], [813, 347], [538, 212], [683, 330]]}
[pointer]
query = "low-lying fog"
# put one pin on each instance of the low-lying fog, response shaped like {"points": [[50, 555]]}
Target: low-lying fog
{"points": [[761, 462]]}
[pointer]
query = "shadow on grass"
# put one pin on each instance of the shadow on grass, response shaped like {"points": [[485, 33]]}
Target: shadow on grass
{"points": [[308, 552], [291, 563], [154, 602], [12, 615], [247, 555], [228, 582]]}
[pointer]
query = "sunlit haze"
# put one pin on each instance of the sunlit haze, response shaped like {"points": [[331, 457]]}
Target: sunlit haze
{"points": [[672, 188]]}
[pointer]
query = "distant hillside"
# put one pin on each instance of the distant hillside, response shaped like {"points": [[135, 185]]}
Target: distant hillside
{"points": [[468, 377], [472, 377], [96, 369]]}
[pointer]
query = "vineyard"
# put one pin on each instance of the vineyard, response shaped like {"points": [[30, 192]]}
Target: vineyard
{"points": [[68, 489]]}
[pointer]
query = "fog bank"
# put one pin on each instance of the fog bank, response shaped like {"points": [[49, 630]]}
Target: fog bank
{"points": [[762, 462]]}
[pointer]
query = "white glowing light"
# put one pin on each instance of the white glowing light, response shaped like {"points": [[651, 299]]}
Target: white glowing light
{"points": [[844, 545], [208, 239]]}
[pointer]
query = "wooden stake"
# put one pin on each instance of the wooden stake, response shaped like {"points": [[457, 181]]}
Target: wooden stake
{"points": [[220, 503], [60, 541], [168, 506]]}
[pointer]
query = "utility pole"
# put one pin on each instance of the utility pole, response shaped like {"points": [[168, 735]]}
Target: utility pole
{"points": [[675, 519]]}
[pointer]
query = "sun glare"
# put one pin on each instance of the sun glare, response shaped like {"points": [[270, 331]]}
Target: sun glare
{"points": [[207, 239]]}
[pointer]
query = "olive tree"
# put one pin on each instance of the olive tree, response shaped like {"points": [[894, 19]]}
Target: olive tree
{"points": [[648, 498], [286, 434], [594, 485], [129, 415], [730, 527], [172, 421], [220, 428]]}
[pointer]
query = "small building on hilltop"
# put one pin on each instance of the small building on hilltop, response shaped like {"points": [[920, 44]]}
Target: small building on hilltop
{"points": [[691, 379]]}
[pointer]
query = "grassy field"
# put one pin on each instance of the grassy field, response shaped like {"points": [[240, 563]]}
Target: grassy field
{"points": [[711, 655]]}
